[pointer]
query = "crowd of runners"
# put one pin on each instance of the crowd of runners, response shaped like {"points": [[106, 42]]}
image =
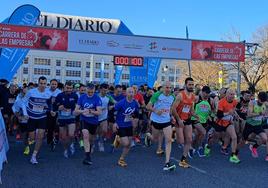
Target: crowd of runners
{"points": [[193, 117]]}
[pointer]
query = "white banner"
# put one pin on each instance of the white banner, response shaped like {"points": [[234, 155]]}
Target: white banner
{"points": [[60, 21], [113, 44]]}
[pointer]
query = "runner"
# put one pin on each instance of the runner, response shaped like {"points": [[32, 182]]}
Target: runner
{"points": [[203, 111], [160, 106], [20, 112], [242, 110], [89, 107], [103, 128], [137, 126], [183, 109], [65, 104], [254, 123], [38, 103], [224, 123], [52, 127], [127, 111]]}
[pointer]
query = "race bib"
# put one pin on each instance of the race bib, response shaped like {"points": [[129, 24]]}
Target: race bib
{"points": [[227, 118], [128, 118], [258, 118], [87, 114], [186, 109], [38, 108], [66, 113], [11, 100]]}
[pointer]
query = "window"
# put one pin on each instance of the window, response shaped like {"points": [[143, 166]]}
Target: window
{"points": [[73, 63], [106, 75], [171, 79], [25, 70], [163, 78], [87, 64], [57, 72], [73, 73], [125, 76], [41, 61], [41, 71], [106, 66], [58, 63], [97, 75], [26, 60], [74, 81], [87, 74], [97, 65]]}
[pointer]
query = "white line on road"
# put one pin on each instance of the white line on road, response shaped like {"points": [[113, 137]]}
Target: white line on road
{"points": [[193, 167]]}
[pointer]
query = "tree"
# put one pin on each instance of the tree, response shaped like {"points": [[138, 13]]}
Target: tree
{"points": [[255, 66], [206, 73]]}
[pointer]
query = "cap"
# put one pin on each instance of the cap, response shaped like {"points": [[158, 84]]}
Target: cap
{"points": [[77, 85]]}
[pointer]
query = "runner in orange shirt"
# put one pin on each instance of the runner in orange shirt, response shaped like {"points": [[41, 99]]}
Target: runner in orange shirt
{"points": [[183, 110]]}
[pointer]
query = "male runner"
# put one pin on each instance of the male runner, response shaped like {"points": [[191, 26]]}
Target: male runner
{"points": [[65, 104], [127, 111], [183, 109], [89, 107], [160, 106]]}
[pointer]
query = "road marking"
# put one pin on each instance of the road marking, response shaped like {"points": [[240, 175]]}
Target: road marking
{"points": [[191, 166]]}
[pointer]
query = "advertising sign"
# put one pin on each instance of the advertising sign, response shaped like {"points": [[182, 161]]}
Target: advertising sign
{"points": [[218, 51], [34, 38]]}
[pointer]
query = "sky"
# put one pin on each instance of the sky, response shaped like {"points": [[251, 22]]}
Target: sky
{"points": [[206, 20]]}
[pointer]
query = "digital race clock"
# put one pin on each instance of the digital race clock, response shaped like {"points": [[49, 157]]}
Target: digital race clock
{"points": [[128, 61]]}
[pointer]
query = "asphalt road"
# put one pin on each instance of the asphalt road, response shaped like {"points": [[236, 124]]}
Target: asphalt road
{"points": [[144, 170]]}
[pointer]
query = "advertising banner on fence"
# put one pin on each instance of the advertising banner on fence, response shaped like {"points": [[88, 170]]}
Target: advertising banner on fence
{"points": [[111, 44], [218, 51], [34, 38]]}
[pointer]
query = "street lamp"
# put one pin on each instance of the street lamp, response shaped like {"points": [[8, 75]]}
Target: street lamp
{"points": [[165, 72]]}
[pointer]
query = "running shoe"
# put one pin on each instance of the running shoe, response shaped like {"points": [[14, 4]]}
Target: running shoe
{"points": [[224, 151], [81, 143], [121, 162], [169, 167], [191, 153], [18, 137], [147, 140], [137, 139], [65, 154], [184, 164], [200, 152], [72, 149], [87, 161], [160, 152], [207, 150], [101, 146], [116, 142], [26, 150], [266, 158], [33, 160], [254, 151], [53, 145], [234, 159], [132, 144]]}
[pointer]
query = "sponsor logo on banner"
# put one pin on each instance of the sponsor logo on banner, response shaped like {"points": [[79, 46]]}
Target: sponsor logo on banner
{"points": [[133, 46], [78, 23], [153, 46], [112, 43], [171, 49], [34, 38], [218, 51], [88, 42]]}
